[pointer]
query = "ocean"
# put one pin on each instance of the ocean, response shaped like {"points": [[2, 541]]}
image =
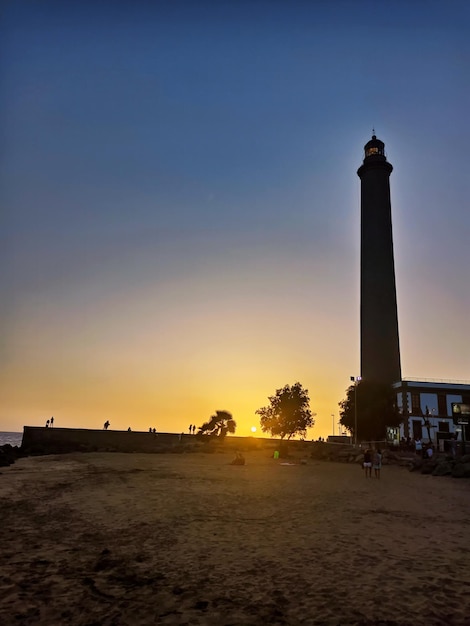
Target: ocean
{"points": [[14, 439]]}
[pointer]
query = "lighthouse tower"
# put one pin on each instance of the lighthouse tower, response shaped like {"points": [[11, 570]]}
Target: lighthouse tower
{"points": [[380, 348]]}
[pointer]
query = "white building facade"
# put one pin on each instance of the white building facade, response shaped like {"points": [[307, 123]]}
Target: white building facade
{"points": [[426, 407]]}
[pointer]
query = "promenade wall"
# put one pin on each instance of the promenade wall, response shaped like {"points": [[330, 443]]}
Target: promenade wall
{"points": [[41, 440]]}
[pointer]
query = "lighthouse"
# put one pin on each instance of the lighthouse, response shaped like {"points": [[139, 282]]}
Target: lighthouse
{"points": [[380, 347]]}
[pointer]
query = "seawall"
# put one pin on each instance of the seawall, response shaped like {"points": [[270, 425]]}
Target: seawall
{"points": [[41, 440]]}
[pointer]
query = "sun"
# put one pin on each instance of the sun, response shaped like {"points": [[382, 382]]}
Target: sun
{"points": [[253, 429]]}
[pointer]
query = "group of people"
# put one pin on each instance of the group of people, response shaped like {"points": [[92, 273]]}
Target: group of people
{"points": [[372, 461], [426, 451], [192, 429], [50, 423]]}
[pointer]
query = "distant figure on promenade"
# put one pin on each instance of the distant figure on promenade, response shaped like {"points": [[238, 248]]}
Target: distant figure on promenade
{"points": [[47, 424], [377, 462], [429, 452], [154, 431], [367, 463], [52, 421], [418, 447], [106, 425], [190, 429], [129, 429]]}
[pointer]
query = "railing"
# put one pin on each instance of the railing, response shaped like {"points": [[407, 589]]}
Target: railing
{"points": [[436, 380]]}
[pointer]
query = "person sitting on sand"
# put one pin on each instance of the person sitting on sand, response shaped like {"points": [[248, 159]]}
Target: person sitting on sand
{"points": [[367, 463], [239, 459], [377, 462]]}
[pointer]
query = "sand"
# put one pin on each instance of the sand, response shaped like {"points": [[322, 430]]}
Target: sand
{"points": [[114, 539]]}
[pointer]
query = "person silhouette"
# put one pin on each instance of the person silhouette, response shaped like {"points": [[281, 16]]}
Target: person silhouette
{"points": [[47, 424], [52, 421], [106, 425]]}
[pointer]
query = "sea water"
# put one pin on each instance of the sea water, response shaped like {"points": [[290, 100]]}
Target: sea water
{"points": [[14, 439]]}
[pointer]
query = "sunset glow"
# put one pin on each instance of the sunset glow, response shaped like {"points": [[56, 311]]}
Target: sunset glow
{"points": [[181, 210]]}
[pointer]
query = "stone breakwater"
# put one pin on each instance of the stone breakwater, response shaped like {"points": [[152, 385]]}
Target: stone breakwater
{"points": [[9, 454], [443, 465], [438, 465]]}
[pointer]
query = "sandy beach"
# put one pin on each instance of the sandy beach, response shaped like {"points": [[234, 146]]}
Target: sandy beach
{"points": [[114, 539]]}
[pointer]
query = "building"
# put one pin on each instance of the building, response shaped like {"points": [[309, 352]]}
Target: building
{"points": [[380, 349], [427, 409]]}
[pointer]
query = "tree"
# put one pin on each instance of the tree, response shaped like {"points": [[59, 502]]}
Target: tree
{"points": [[288, 413], [376, 409], [219, 425]]}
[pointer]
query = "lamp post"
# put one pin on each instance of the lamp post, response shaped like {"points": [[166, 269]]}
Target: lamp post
{"points": [[355, 380]]}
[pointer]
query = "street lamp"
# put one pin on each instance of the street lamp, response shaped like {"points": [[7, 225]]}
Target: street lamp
{"points": [[355, 380]]}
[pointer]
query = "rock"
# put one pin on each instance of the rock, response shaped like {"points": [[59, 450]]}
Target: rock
{"points": [[427, 467], [416, 464], [8, 455], [461, 470], [443, 468], [409, 460], [4, 460]]}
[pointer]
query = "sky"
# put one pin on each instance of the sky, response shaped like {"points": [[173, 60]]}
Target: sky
{"points": [[180, 209]]}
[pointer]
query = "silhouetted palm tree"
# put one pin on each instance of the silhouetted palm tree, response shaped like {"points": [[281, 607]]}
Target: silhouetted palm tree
{"points": [[219, 425]]}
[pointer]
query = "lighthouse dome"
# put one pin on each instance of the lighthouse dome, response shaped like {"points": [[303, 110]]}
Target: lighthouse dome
{"points": [[374, 147]]}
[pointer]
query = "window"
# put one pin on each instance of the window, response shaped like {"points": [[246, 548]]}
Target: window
{"points": [[370, 151], [415, 404], [441, 404]]}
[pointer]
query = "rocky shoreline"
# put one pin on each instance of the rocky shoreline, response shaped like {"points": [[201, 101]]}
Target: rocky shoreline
{"points": [[440, 464], [9, 454]]}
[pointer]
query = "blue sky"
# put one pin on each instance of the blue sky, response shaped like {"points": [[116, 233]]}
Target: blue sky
{"points": [[180, 204]]}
